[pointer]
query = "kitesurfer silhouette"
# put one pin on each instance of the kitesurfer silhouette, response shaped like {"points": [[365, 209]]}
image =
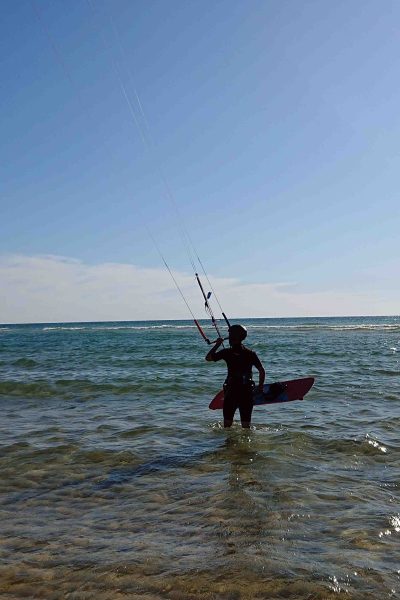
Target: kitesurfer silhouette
{"points": [[239, 385]]}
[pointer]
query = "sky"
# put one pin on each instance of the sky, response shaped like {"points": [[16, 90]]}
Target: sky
{"points": [[266, 131]]}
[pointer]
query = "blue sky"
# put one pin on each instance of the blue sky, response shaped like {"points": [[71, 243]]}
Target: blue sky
{"points": [[276, 124]]}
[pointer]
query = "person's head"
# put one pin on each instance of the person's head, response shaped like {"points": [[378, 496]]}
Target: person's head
{"points": [[237, 334]]}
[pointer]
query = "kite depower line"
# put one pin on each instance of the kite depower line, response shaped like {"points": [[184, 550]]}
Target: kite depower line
{"points": [[141, 124]]}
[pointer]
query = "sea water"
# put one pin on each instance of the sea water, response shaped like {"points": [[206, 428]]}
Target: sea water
{"points": [[117, 481]]}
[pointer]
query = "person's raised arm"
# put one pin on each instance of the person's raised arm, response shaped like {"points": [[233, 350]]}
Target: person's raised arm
{"points": [[210, 356]]}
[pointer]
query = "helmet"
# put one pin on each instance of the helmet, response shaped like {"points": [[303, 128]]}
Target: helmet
{"points": [[237, 332]]}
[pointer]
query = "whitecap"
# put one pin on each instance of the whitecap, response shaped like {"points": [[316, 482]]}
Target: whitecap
{"points": [[376, 444], [395, 523], [63, 328]]}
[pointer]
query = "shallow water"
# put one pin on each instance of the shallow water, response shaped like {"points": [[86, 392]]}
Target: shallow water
{"points": [[118, 482]]}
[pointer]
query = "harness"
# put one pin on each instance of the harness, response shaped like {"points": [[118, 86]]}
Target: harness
{"points": [[239, 381]]}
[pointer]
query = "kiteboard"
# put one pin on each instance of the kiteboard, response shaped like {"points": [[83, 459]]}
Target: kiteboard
{"points": [[283, 391]]}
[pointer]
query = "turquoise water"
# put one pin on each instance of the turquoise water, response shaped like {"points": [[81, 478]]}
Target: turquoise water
{"points": [[119, 482]]}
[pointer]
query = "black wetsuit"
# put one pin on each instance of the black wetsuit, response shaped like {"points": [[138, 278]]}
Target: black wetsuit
{"points": [[239, 384]]}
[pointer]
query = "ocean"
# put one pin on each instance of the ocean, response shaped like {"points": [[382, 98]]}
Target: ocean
{"points": [[117, 481]]}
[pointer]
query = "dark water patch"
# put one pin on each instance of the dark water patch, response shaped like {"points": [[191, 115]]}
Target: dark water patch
{"points": [[88, 387], [137, 432], [14, 448], [30, 454], [162, 464], [388, 372], [27, 363], [46, 490], [63, 388], [105, 428], [37, 389], [106, 458], [391, 423]]}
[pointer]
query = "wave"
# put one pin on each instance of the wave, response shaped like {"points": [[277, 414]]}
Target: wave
{"points": [[395, 327], [25, 362], [64, 328], [303, 441], [373, 327], [390, 372], [80, 389], [118, 327], [26, 390]]}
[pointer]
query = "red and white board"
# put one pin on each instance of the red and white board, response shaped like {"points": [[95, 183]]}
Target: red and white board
{"points": [[283, 391]]}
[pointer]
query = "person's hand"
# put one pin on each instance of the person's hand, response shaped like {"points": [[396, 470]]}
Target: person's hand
{"points": [[219, 341], [259, 389]]}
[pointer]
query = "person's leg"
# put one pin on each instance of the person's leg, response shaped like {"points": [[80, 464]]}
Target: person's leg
{"points": [[229, 408], [246, 408]]}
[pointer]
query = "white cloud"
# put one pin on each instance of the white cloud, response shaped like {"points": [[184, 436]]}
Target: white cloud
{"points": [[55, 288]]}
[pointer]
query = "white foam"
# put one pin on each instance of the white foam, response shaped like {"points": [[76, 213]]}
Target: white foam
{"points": [[376, 444], [323, 326], [63, 328], [118, 327], [395, 523]]}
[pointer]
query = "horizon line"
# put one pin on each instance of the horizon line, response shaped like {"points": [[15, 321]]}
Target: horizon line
{"points": [[201, 320]]}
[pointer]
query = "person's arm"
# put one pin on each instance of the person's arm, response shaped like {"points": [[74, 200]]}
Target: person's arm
{"points": [[261, 373], [210, 356]]}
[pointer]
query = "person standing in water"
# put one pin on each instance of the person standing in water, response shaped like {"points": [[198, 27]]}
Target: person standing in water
{"points": [[239, 385]]}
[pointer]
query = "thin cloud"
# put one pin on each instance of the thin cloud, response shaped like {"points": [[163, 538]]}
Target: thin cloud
{"points": [[60, 289]]}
